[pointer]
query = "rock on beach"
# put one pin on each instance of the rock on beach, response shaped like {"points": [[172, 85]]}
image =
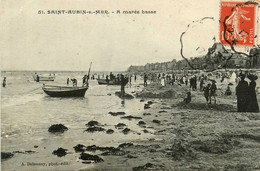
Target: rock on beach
{"points": [[130, 117], [90, 157], [79, 148], [126, 131], [120, 125], [6, 155], [95, 129], [57, 128], [110, 131], [116, 113], [92, 123], [60, 152]]}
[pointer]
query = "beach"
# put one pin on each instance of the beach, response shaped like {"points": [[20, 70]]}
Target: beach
{"points": [[195, 136], [160, 133]]}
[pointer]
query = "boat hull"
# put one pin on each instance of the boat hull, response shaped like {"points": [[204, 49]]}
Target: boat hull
{"points": [[58, 91], [104, 82], [44, 78]]}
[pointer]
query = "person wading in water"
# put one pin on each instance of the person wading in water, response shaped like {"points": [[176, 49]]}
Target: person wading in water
{"points": [[123, 82], [37, 78], [107, 80], [4, 82]]}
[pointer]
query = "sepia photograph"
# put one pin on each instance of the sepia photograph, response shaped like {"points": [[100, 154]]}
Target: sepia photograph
{"points": [[132, 85]]}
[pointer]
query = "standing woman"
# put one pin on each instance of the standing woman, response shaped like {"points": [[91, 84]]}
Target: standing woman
{"points": [[242, 94], [163, 80], [252, 100]]}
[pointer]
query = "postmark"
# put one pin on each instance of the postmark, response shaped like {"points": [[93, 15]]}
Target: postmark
{"points": [[237, 23]]}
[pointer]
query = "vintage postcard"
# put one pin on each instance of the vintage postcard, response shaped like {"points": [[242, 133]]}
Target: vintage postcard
{"points": [[130, 85]]}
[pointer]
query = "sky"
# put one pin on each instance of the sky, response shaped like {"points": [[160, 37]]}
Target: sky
{"points": [[113, 42]]}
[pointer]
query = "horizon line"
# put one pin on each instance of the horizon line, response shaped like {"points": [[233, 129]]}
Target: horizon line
{"points": [[8, 70]]}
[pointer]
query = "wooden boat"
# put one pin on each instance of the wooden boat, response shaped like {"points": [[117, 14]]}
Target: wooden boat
{"points": [[44, 77], [111, 82], [64, 91]]}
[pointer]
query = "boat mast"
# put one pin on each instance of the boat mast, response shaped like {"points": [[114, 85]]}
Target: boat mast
{"points": [[89, 71]]}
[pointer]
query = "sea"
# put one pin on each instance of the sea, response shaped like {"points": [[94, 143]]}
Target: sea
{"points": [[27, 113]]}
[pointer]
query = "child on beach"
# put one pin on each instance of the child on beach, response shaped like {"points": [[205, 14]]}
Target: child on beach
{"points": [[228, 91], [187, 99]]}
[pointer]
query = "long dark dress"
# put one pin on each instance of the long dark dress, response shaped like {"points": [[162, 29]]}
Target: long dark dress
{"points": [[252, 101], [242, 96]]}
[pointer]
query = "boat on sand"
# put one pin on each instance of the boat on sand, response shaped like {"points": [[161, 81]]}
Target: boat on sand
{"points": [[64, 91], [110, 82]]}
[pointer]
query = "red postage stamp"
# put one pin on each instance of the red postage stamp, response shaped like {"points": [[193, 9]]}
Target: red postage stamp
{"points": [[237, 23]]}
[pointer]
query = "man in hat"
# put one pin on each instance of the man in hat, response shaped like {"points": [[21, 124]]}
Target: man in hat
{"points": [[242, 94]]}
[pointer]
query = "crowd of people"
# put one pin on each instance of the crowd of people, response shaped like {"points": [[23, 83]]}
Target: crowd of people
{"points": [[190, 80], [246, 94]]}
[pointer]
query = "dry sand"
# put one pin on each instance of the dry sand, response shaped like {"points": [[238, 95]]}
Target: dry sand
{"points": [[191, 136]]}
